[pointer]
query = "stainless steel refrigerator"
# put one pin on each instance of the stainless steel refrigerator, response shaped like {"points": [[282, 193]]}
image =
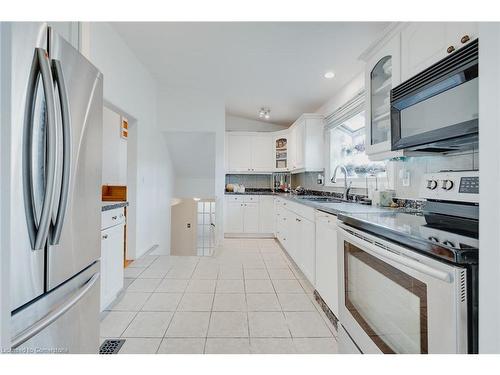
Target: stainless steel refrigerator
{"points": [[54, 183]]}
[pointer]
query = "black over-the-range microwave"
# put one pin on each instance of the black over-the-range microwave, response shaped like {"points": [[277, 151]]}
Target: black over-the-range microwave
{"points": [[437, 110]]}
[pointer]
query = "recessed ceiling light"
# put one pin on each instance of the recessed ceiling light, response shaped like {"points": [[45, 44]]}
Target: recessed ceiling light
{"points": [[329, 75], [196, 199], [265, 113]]}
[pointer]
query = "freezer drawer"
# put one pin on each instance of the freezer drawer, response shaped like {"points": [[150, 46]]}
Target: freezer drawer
{"points": [[65, 320]]}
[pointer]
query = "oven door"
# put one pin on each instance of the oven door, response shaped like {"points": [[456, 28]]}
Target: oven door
{"points": [[393, 300]]}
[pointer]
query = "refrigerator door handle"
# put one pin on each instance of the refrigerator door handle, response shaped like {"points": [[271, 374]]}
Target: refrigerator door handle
{"points": [[55, 314], [66, 167], [39, 231]]}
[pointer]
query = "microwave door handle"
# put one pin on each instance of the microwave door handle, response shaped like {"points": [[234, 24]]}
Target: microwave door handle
{"points": [[66, 167], [38, 232], [399, 258]]}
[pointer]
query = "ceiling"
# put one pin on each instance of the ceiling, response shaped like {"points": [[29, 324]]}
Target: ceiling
{"points": [[280, 65], [185, 150]]}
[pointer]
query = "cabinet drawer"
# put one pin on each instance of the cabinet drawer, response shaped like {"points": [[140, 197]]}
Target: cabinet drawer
{"points": [[112, 217], [326, 219], [234, 198], [250, 198]]}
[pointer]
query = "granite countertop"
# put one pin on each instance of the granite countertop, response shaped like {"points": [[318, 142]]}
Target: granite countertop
{"points": [[332, 207], [110, 205]]}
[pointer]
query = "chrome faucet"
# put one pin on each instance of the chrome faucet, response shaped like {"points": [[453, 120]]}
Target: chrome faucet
{"points": [[334, 180]]}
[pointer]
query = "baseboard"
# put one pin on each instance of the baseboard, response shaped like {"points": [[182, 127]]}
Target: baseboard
{"points": [[329, 314]]}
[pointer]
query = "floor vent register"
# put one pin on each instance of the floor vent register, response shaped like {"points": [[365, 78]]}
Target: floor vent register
{"points": [[111, 346]]}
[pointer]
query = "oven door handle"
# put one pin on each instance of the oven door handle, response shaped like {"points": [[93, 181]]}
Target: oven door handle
{"points": [[398, 258]]}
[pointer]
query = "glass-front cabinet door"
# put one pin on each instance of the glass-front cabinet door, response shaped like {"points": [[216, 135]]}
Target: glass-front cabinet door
{"points": [[383, 72], [380, 88]]}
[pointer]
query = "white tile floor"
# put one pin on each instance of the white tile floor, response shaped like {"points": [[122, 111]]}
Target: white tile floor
{"points": [[247, 298]]}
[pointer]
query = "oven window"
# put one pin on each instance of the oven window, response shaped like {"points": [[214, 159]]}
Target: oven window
{"points": [[389, 305]]}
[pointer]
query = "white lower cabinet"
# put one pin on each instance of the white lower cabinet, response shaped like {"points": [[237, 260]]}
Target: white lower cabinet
{"points": [[306, 252], [249, 214], [296, 233], [234, 217], [326, 260], [112, 247], [266, 214], [251, 217]]}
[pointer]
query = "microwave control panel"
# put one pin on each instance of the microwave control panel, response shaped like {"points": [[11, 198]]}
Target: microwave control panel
{"points": [[460, 186]]}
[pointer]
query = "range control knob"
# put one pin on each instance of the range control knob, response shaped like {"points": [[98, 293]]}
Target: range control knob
{"points": [[447, 184], [432, 184]]}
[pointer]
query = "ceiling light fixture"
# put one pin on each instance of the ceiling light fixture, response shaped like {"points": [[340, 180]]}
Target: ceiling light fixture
{"points": [[329, 75], [265, 113]]}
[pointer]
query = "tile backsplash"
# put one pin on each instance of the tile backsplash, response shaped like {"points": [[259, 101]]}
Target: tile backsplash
{"points": [[416, 166], [251, 181]]}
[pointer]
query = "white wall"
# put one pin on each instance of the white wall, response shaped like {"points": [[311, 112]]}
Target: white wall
{"points": [[130, 87], [236, 123], [198, 110], [114, 150], [186, 187], [489, 213], [343, 95]]}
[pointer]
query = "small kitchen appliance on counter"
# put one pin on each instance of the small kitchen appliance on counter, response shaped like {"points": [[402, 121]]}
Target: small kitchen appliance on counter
{"points": [[409, 282]]}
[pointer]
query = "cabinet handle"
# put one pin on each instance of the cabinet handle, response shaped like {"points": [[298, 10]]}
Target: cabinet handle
{"points": [[105, 237], [114, 217], [298, 220], [465, 39], [450, 49]]}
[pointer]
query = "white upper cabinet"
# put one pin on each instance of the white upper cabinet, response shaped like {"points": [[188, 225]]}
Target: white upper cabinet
{"points": [[300, 148], [249, 153], [382, 73], [262, 153], [307, 144], [425, 43], [239, 153]]}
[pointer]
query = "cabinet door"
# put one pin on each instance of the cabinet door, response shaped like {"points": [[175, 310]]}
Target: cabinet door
{"points": [[251, 217], [115, 265], [239, 153], [234, 217], [422, 44], [105, 300], [460, 34], [292, 149], [112, 247], [266, 214], [299, 141], [287, 230], [326, 261], [382, 74], [262, 154], [307, 249], [425, 43]]}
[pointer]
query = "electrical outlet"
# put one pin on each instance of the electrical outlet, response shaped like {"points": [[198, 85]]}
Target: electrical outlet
{"points": [[404, 176]]}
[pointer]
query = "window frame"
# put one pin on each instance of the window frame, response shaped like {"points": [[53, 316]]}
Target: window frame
{"points": [[350, 109]]}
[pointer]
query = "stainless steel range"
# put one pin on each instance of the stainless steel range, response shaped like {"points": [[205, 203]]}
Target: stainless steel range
{"points": [[408, 281]]}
